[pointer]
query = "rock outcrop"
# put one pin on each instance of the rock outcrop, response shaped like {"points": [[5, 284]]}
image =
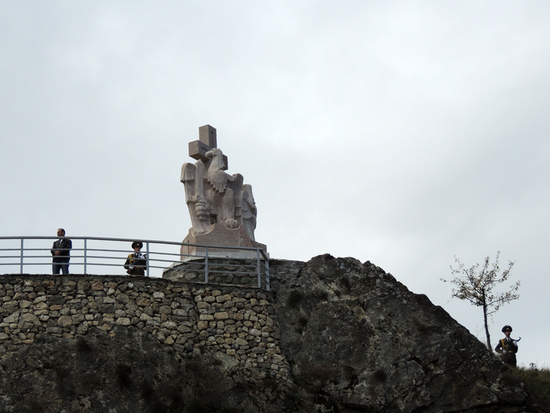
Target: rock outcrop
{"points": [[335, 335], [353, 333]]}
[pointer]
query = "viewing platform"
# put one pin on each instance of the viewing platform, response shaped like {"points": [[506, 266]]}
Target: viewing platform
{"points": [[213, 264]]}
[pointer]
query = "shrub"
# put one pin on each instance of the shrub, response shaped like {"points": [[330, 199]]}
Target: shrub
{"points": [[537, 386]]}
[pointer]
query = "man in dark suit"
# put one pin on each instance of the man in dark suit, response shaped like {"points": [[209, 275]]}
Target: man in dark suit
{"points": [[61, 251]]}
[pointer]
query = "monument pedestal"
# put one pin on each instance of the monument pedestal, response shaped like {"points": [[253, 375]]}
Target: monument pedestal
{"points": [[222, 236]]}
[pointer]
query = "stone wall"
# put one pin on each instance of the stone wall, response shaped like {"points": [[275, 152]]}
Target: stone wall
{"points": [[191, 318]]}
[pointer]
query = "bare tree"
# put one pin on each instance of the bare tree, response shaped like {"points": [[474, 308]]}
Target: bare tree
{"points": [[476, 285]]}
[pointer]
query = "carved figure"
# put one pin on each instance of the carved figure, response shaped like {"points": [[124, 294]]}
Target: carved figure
{"points": [[212, 195], [248, 211]]}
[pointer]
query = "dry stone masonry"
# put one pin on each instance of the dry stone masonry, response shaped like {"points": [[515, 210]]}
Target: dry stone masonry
{"points": [[191, 319]]}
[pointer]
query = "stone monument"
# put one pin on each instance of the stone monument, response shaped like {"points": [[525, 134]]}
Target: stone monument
{"points": [[222, 208]]}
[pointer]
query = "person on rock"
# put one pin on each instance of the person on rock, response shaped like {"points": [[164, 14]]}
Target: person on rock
{"points": [[507, 347]]}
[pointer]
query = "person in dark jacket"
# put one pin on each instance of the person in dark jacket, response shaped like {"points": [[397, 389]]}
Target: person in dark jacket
{"points": [[137, 261], [61, 251], [507, 347]]}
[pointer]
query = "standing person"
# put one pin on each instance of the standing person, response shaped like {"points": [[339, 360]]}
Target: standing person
{"points": [[507, 347], [137, 261], [61, 251]]}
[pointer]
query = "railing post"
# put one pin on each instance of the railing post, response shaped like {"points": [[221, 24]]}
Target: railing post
{"points": [[268, 279], [258, 263], [206, 264], [21, 269], [85, 255], [147, 259]]}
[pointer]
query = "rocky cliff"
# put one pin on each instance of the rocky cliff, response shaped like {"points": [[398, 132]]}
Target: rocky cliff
{"points": [[334, 335], [353, 333]]}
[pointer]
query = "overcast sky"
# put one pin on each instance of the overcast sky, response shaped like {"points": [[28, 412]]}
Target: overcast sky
{"points": [[400, 132]]}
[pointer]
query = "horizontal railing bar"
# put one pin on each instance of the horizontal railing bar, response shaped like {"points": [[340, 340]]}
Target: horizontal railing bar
{"points": [[255, 266], [73, 262], [222, 247], [100, 250], [80, 264], [218, 268]]}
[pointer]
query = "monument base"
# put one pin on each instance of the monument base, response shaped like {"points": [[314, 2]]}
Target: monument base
{"points": [[242, 272], [223, 237]]}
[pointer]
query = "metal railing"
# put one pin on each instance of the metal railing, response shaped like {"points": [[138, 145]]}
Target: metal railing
{"points": [[106, 256]]}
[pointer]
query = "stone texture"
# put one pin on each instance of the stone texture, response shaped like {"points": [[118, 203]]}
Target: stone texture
{"points": [[354, 333], [333, 335]]}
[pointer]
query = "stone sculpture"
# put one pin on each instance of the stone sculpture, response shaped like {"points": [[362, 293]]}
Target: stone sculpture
{"points": [[221, 207]]}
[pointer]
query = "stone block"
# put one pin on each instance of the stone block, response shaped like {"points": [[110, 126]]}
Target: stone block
{"points": [[25, 304], [13, 318], [223, 298], [83, 285], [221, 315], [123, 321], [170, 325], [64, 321], [143, 302], [241, 342], [180, 312], [97, 286], [54, 330], [29, 318], [78, 318], [254, 332], [105, 327], [184, 329], [165, 309]]}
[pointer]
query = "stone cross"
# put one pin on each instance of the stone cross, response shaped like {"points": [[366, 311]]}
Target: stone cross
{"points": [[207, 141]]}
